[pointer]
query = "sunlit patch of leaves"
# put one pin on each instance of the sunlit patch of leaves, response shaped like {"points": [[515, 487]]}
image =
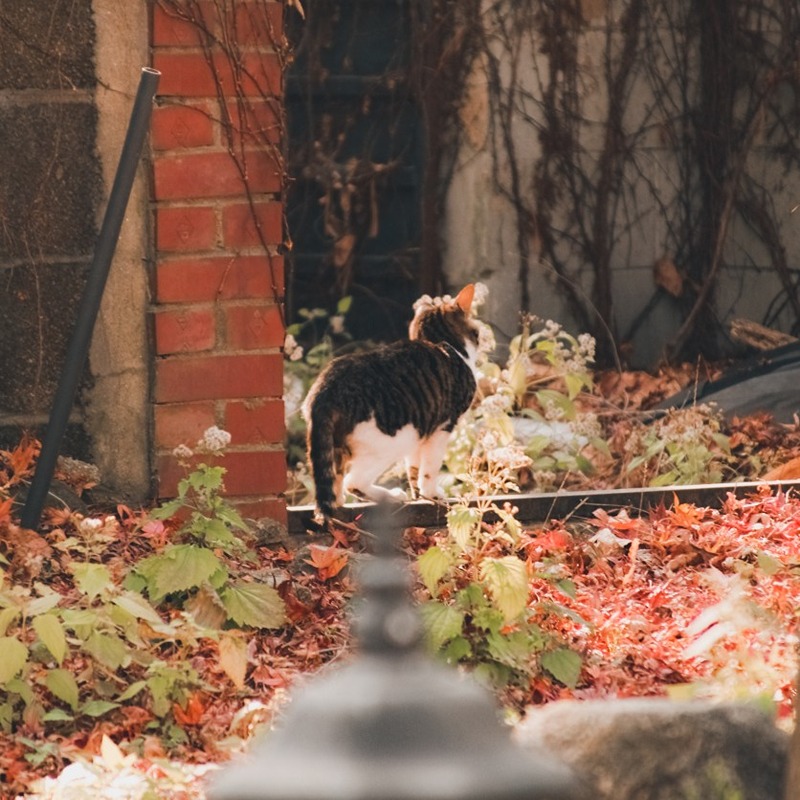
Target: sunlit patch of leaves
{"points": [[89, 656]]}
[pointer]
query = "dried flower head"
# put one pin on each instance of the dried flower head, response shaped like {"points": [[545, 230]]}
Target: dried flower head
{"points": [[214, 440]]}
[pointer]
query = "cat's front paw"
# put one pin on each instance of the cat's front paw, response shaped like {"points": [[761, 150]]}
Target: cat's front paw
{"points": [[398, 495]]}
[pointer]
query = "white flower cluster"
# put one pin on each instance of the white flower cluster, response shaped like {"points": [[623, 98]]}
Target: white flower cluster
{"points": [[96, 528], [182, 452], [501, 402], [573, 355], [508, 457], [213, 440]]}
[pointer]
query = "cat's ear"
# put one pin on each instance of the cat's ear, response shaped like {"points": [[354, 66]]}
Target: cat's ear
{"points": [[464, 297]]}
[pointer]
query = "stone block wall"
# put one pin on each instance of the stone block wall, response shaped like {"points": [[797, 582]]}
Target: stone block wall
{"points": [[218, 314], [50, 190]]}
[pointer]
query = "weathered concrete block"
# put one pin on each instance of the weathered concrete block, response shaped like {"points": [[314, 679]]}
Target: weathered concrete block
{"points": [[38, 309], [47, 45], [654, 749], [51, 180]]}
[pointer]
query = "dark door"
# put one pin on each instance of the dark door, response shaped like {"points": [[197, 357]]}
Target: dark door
{"points": [[355, 155]]}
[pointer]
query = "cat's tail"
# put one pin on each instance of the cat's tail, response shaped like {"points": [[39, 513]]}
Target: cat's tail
{"points": [[322, 457]]}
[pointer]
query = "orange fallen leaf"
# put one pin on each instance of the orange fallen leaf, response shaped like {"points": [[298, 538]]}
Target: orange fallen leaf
{"points": [[328, 561], [193, 713]]}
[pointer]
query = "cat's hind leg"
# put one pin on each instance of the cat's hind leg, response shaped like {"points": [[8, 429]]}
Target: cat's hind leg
{"points": [[412, 473], [372, 453], [432, 452]]}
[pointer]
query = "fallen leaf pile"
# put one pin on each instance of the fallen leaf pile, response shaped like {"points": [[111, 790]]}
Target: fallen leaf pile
{"points": [[687, 601], [684, 600]]}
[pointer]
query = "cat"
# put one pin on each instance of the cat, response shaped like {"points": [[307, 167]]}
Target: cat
{"points": [[367, 411]]}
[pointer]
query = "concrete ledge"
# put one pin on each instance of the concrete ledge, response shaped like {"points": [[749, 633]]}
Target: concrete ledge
{"points": [[554, 505]]}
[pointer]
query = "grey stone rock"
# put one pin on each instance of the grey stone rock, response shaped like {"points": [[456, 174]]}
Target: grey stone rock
{"points": [[654, 749]]}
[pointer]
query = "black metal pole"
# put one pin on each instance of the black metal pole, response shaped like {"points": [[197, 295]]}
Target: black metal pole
{"points": [[78, 349]]}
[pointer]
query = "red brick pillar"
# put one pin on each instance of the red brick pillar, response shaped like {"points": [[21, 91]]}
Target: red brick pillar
{"points": [[217, 188]]}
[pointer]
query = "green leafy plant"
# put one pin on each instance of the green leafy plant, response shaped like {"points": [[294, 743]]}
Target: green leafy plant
{"points": [[480, 611], [684, 446], [196, 570], [103, 628]]}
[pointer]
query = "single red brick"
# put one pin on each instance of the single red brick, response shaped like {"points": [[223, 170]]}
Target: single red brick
{"points": [[184, 330], [241, 224], [256, 421], [187, 280], [253, 327], [189, 74], [255, 472], [269, 508], [181, 423], [214, 174], [212, 377], [186, 228], [180, 126], [258, 472]]}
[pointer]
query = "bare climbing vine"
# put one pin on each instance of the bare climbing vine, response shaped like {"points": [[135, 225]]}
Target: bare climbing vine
{"points": [[722, 81], [251, 111], [584, 161]]}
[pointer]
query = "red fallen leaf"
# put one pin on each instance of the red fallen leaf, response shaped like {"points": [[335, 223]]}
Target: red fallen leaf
{"points": [[5, 509], [295, 608], [193, 713], [328, 561], [20, 460], [556, 539], [265, 675], [685, 515]]}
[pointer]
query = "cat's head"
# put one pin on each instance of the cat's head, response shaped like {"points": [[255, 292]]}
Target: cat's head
{"points": [[444, 319]]}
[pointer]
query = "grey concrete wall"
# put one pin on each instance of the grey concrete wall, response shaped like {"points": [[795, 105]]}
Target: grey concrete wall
{"points": [[68, 73], [118, 410], [480, 227]]}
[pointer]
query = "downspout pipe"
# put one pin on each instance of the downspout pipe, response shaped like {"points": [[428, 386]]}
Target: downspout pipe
{"points": [[78, 349]]}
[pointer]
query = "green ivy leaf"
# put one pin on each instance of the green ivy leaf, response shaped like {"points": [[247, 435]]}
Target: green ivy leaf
{"points": [[109, 650], [343, 306], [461, 523], [131, 691], [442, 623], [167, 510], [135, 604], [564, 665], [41, 605], [62, 684], [58, 715], [433, 565], [51, 633], [178, 568], [567, 585], [96, 708], [254, 604], [457, 649], [513, 650], [7, 616], [506, 579], [15, 656], [92, 579]]}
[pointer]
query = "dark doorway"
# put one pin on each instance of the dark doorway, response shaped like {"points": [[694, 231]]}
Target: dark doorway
{"points": [[355, 159]]}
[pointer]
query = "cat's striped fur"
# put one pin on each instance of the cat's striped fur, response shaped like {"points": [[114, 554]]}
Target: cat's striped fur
{"points": [[367, 411]]}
